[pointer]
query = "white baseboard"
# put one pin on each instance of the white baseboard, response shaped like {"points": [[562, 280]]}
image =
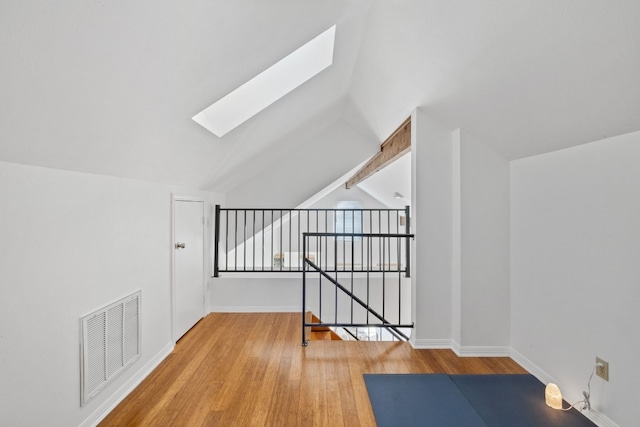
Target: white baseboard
{"points": [[434, 344], [461, 351], [255, 309], [533, 369], [568, 394], [117, 397], [481, 351]]}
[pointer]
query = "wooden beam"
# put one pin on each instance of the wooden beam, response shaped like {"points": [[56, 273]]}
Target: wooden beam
{"points": [[398, 144]]}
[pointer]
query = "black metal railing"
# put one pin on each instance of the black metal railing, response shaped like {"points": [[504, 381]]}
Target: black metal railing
{"points": [[370, 296], [270, 240]]}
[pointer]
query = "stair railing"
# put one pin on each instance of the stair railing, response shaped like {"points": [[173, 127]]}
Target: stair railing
{"points": [[251, 240], [370, 295]]}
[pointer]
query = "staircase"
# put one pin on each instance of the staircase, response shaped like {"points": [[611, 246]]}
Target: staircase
{"points": [[366, 303], [321, 333]]}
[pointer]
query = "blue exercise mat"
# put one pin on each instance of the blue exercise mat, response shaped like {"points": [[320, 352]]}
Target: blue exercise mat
{"points": [[438, 400]]}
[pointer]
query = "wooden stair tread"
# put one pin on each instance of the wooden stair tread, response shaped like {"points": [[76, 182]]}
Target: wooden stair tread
{"points": [[321, 333]]}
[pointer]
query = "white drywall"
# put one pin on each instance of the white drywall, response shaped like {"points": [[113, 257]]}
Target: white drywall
{"points": [[72, 243], [456, 241], [431, 255], [484, 239], [461, 252], [255, 292], [575, 246]]}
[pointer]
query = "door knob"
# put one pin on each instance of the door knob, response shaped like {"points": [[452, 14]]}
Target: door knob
{"points": [[180, 245]]}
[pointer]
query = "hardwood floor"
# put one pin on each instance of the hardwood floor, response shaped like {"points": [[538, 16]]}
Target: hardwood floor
{"points": [[243, 369]]}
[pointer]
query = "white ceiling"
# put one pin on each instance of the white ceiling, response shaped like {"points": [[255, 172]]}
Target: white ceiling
{"points": [[523, 77], [110, 87]]}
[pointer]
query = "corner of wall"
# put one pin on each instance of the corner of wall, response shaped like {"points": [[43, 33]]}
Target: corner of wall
{"points": [[569, 394]]}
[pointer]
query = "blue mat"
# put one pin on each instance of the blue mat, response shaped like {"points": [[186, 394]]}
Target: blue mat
{"points": [[436, 400]]}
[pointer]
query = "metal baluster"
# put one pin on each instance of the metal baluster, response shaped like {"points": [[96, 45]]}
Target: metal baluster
{"points": [[281, 252], [398, 248], [290, 249], [336, 288], [380, 244], [216, 242], [319, 252], [407, 254], [304, 290], [362, 241], [389, 231], [383, 279], [369, 255], [300, 259], [352, 268], [272, 238]]}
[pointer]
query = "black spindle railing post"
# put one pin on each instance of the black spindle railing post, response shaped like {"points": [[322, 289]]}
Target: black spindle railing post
{"points": [[399, 258], [290, 231], [384, 261], [352, 270], [299, 246], [273, 238], [319, 242], [407, 224], [304, 289], [216, 242], [281, 250]]}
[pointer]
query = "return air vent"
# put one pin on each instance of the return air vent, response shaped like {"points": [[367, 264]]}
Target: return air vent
{"points": [[110, 341]]}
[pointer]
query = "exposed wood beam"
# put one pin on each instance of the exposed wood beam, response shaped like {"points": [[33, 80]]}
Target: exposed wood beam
{"points": [[398, 144]]}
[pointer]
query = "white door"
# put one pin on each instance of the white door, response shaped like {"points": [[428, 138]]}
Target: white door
{"points": [[188, 279]]}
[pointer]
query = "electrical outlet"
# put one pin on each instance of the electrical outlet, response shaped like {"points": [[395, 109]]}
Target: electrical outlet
{"points": [[602, 369]]}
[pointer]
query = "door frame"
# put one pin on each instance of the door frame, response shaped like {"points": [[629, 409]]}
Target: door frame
{"points": [[186, 198]]}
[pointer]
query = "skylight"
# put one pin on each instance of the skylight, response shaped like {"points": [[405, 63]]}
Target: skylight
{"points": [[269, 86]]}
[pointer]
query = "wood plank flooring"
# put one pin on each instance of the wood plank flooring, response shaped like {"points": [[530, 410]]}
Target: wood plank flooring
{"points": [[246, 369]]}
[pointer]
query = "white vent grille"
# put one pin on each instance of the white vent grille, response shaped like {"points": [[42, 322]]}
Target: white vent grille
{"points": [[110, 342]]}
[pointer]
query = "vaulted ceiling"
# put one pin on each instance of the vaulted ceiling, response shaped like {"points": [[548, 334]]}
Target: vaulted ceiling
{"points": [[110, 87]]}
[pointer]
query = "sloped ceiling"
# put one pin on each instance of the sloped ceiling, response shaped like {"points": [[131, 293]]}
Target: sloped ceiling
{"points": [[525, 77], [110, 87]]}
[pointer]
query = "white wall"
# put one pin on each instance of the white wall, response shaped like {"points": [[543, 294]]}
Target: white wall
{"points": [[461, 254], [72, 243], [431, 255], [575, 274], [484, 248], [255, 292]]}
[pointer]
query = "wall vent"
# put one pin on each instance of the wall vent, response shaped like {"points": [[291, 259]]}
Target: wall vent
{"points": [[109, 342]]}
